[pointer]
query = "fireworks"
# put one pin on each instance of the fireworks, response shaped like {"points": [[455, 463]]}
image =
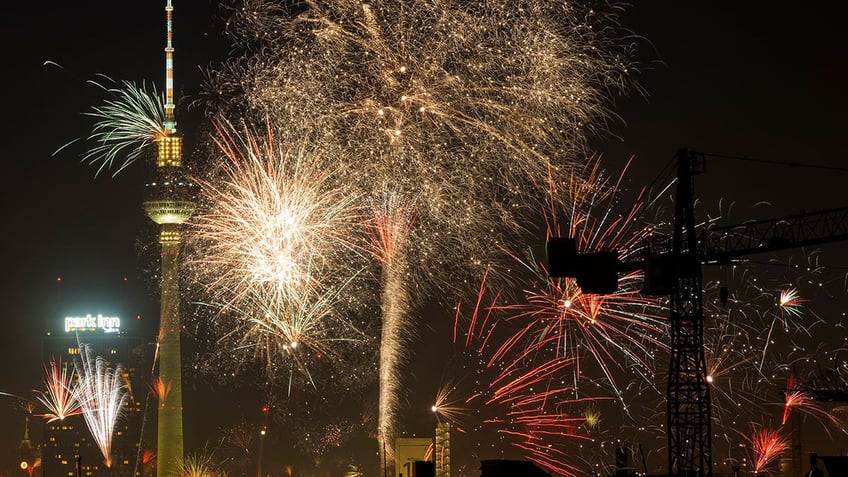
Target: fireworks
{"points": [[737, 390], [527, 409], [447, 406], [101, 394], [801, 400], [201, 465], [532, 340], [751, 346], [790, 302], [160, 388], [274, 222], [555, 316], [60, 396], [126, 126], [457, 113], [269, 246], [766, 446]]}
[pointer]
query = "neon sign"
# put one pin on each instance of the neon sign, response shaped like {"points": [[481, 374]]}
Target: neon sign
{"points": [[109, 324]]}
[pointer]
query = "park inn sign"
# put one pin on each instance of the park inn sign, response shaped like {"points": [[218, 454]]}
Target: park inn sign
{"points": [[108, 324]]}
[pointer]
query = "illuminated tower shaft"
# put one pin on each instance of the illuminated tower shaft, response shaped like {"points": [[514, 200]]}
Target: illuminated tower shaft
{"points": [[169, 204], [170, 420]]}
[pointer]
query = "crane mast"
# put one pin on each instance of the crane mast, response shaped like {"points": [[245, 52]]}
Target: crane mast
{"points": [[677, 272], [688, 393]]}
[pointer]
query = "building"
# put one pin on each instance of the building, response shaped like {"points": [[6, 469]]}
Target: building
{"points": [[67, 439], [443, 449], [408, 451]]}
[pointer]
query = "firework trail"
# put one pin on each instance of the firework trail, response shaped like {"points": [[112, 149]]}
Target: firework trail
{"points": [[460, 109], [758, 335], [737, 389], [531, 338], [274, 221], [15, 396], [527, 410], [60, 395], [101, 394], [393, 219], [799, 399], [126, 125], [766, 446], [274, 249], [556, 315], [201, 464]]}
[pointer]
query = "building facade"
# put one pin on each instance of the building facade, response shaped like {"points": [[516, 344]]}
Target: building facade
{"points": [[68, 442]]}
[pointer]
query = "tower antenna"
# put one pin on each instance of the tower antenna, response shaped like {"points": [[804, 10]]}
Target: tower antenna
{"points": [[170, 122], [169, 203]]}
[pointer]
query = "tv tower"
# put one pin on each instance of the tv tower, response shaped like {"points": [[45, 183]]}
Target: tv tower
{"points": [[169, 203]]}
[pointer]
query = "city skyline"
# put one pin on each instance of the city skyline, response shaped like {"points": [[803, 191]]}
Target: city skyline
{"points": [[733, 80]]}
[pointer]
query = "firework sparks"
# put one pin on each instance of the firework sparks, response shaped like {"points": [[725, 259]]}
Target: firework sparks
{"points": [[738, 391], [766, 446], [551, 328], [556, 315], [448, 407], [60, 395], [790, 302], [592, 416], [750, 352], [201, 464], [269, 246], [160, 388], [274, 221], [801, 400], [101, 394], [459, 110], [148, 457], [34, 465], [393, 218], [125, 126], [530, 409], [790, 305]]}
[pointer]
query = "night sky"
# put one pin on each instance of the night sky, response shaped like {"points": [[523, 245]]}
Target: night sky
{"points": [[751, 79]]}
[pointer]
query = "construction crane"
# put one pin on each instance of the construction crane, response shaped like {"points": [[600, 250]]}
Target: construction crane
{"points": [[674, 267]]}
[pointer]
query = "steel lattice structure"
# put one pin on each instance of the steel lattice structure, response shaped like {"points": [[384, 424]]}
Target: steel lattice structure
{"points": [[678, 273], [688, 400]]}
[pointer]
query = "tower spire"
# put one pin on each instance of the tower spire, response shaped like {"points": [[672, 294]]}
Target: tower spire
{"points": [[170, 122], [169, 203]]}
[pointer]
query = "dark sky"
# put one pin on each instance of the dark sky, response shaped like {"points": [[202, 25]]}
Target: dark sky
{"points": [[754, 79], [62, 221]]}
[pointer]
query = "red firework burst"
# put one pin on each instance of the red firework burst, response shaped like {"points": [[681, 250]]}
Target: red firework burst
{"points": [[766, 446], [60, 395]]}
